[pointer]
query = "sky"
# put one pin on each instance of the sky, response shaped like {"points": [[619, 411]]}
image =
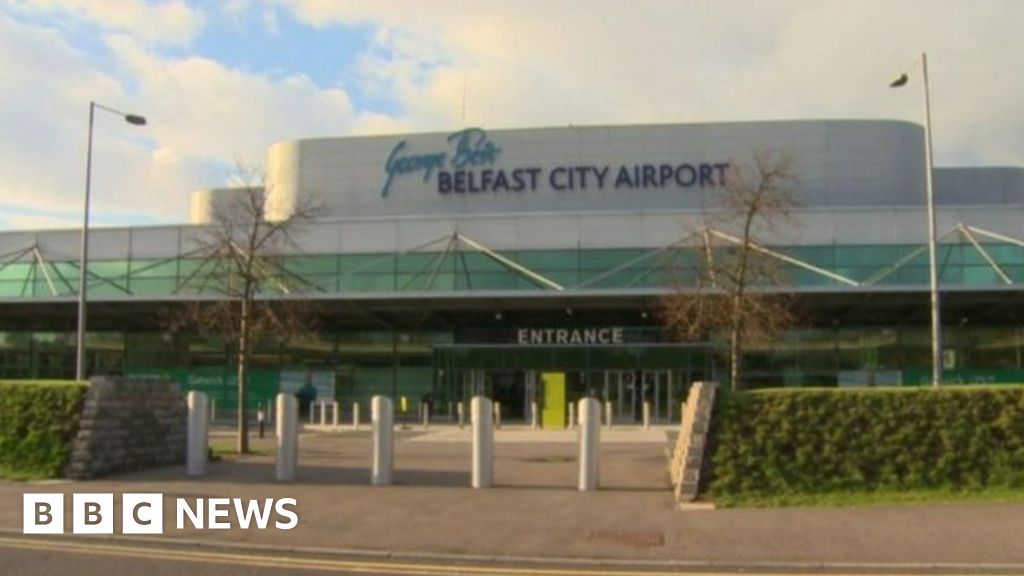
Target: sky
{"points": [[220, 81]]}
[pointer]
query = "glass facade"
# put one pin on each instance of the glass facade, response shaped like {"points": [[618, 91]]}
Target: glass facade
{"points": [[444, 360], [473, 271]]}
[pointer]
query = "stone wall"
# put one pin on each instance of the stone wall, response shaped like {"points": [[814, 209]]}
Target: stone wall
{"points": [[128, 424], [688, 456]]}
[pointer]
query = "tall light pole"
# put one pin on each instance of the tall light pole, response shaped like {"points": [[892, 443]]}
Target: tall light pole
{"points": [[83, 260], [933, 269]]}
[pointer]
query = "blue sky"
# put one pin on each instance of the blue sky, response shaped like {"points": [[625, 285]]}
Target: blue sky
{"points": [[221, 81]]}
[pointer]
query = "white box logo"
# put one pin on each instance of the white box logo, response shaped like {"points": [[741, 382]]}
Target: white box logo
{"points": [[142, 514], [42, 513], [92, 514]]}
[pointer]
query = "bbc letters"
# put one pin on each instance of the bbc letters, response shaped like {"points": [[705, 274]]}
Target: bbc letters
{"points": [[143, 513]]}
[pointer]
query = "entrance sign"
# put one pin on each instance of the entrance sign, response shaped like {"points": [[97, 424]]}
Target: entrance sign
{"points": [[547, 336]]}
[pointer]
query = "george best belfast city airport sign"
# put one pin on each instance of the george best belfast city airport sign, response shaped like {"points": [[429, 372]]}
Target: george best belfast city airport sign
{"points": [[469, 164]]}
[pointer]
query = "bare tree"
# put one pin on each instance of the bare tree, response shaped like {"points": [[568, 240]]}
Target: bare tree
{"points": [[242, 269], [731, 288]]}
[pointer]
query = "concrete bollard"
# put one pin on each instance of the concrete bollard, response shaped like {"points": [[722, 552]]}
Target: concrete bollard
{"points": [[383, 418], [213, 409], [425, 414], [607, 416], [647, 415], [334, 413], [287, 437], [481, 413], [462, 416], [534, 416], [355, 415], [198, 445], [497, 415], [323, 412], [572, 415], [590, 436]]}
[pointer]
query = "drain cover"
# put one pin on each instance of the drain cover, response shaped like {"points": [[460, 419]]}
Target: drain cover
{"points": [[634, 538]]}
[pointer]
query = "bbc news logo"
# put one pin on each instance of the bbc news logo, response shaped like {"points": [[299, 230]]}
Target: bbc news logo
{"points": [[144, 513]]}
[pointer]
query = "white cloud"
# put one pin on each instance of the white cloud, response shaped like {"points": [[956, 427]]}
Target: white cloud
{"points": [[201, 117], [533, 62], [167, 21], [200, 108], [522, 63]]}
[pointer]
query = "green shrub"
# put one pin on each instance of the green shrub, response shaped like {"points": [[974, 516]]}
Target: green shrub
{"points": [[38, 419], [780, 442]]}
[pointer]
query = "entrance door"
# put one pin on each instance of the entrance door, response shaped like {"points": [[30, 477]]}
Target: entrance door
{"points": [[473, 383], [529, 393], [621, 389], [657, 389]]}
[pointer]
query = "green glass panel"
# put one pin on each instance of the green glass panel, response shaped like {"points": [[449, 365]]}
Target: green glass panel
{"points": [[368, 283], [154, 268], [549, 260], [311, 265], [606, 259]]}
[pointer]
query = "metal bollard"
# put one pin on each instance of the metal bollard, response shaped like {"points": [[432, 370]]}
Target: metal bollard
{"points": [[607, 416], [425, 414], [534, 416], [647, 415], [572, 415], [312, 412], [213, 409], [481, 413], [497, 415], [355, 415], [270, 411], [590, 435], [287, 437], [323, 412], [382, 416], [198, 445], [334, 413], [462, 416]]}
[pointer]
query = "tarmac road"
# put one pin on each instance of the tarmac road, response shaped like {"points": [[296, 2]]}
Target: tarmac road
{"points": [[56, 556]]}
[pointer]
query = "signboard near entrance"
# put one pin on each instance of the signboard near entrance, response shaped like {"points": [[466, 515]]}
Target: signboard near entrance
{"points": [[548, 336], [553, 412]]}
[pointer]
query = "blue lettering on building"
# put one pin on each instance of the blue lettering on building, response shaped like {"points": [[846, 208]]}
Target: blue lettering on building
{"points": [[467, 167]]}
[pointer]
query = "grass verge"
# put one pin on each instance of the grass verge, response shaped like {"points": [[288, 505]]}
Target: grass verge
{"points": [[878, 498]]}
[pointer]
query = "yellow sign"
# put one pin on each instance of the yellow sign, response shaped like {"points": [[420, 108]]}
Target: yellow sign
{"points": [[553, 412]]}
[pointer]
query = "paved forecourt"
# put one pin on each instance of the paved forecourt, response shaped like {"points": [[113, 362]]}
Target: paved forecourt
{"points": [[534, 510]]}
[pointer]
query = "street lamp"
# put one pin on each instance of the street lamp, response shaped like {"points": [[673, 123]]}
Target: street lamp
{"points": [[83, 260], [933, 271]]}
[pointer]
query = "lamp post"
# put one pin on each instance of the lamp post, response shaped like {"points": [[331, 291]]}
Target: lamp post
{"points": [[83, 260], [933, 270]]}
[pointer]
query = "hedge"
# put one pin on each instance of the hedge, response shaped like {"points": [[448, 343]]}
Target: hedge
{"points": [[785, 442], [38, 419]]}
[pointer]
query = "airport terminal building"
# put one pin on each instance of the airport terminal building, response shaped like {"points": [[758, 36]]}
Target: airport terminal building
{"points": [[529, 264]]}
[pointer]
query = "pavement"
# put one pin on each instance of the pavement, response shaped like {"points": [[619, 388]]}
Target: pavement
{"points": [[535, 515]]}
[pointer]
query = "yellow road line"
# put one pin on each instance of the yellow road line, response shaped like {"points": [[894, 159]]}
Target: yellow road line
{"points": [[263, 560]]}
